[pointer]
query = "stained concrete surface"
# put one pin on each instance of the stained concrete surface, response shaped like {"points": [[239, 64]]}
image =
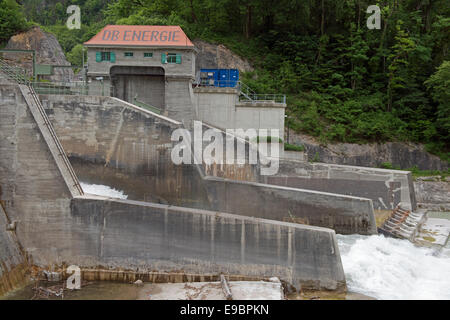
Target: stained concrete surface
{"points": [[114, 143]]}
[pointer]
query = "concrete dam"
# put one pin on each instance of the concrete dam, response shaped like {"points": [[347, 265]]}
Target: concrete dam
{"points": [[188, 219]]}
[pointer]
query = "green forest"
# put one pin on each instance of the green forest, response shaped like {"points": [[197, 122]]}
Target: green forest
{"points": [[344, 82]]}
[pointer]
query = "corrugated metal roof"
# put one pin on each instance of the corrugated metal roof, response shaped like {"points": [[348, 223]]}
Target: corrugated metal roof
{"points": [[145, 36]]}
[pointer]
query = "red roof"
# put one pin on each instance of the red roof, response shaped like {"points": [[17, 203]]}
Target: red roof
{"points": [[146, 36]]}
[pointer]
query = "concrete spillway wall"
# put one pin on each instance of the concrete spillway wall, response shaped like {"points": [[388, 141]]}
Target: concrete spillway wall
{"points": [[13, 263], [33, 189], [386, 188], [55, 227], [144, 236], [112, 142]]}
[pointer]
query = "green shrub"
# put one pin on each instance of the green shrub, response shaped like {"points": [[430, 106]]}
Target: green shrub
{"points": [[293, 147], [267, 139]]}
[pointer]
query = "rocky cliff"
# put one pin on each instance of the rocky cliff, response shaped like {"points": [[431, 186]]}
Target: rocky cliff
{"points": [[48, 51], [212, 56], [403, 155], [433, 193]]}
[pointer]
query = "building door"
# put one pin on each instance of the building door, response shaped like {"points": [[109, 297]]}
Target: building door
{"points": [[146, 84]]}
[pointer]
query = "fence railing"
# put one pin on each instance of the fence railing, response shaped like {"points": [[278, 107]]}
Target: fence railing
{"points": [[246, 94], [73, 88], [219, 83], [146, 106], [256, 97], [13, 73], [18, 75], [54, 137]]}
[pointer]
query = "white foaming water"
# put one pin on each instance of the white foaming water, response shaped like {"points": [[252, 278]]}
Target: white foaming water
{"points": [[388, 268], [102, 190]]}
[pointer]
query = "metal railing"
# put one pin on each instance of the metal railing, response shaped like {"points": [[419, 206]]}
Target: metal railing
{"points": [[246, 94], [275, 98], [13, 73], [146, 106], [74, 88], [19, 76], [245, 90], [55, 139], [218, 83]]}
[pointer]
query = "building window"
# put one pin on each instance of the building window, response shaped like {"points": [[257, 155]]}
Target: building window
{"points": [[171, 58], [105, 56], [148, 54], [129, 54]]}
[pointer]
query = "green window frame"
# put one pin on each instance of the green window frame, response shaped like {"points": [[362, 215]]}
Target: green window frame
{"points": [[129, 54], [101, 56], [171, 58], [148, 54]]}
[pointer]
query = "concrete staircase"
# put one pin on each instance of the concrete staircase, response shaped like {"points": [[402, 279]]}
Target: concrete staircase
{"points": [[18, 76], [46, 128]]}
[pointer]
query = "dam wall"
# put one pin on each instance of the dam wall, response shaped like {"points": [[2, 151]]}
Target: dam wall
{"points": [[116, 143], [13, 263], [145, 237], [56, 228], [220, 107], [345, 214], [113, 142], [34, 191], [387, 188]]}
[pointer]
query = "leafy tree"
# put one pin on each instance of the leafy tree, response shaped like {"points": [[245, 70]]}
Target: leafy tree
{"points": [[439, 85], [343, 82], [12, 19]]}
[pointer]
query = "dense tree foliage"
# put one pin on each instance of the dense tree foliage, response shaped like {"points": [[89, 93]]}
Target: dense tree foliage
{"points": [[344, 82], [12, 19]]}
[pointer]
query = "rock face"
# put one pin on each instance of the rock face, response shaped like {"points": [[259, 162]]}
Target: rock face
{"points": [[433, 195], [370, 155], [48, 51], [212, 56]]}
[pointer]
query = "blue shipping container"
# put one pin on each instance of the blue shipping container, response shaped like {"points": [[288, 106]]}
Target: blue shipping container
{"points": [[212, 76], [224, 77], [234, 77], [221, 77]]}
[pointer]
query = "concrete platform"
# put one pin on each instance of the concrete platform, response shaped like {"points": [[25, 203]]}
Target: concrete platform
{"points": [[241, 290], [435, 231]]}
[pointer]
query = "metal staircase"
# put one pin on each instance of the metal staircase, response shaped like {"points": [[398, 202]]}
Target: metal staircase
{"points": [[13, 73], [18, 76], [246, 94], [403, 224]]}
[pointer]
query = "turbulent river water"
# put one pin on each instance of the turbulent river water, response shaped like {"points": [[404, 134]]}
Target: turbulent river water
{"points": [[387, 268], [102, 190], [383, 268]]}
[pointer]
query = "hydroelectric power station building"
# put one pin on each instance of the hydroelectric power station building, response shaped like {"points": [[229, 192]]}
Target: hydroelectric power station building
{"points": [[154, 67], [152, 64]]}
